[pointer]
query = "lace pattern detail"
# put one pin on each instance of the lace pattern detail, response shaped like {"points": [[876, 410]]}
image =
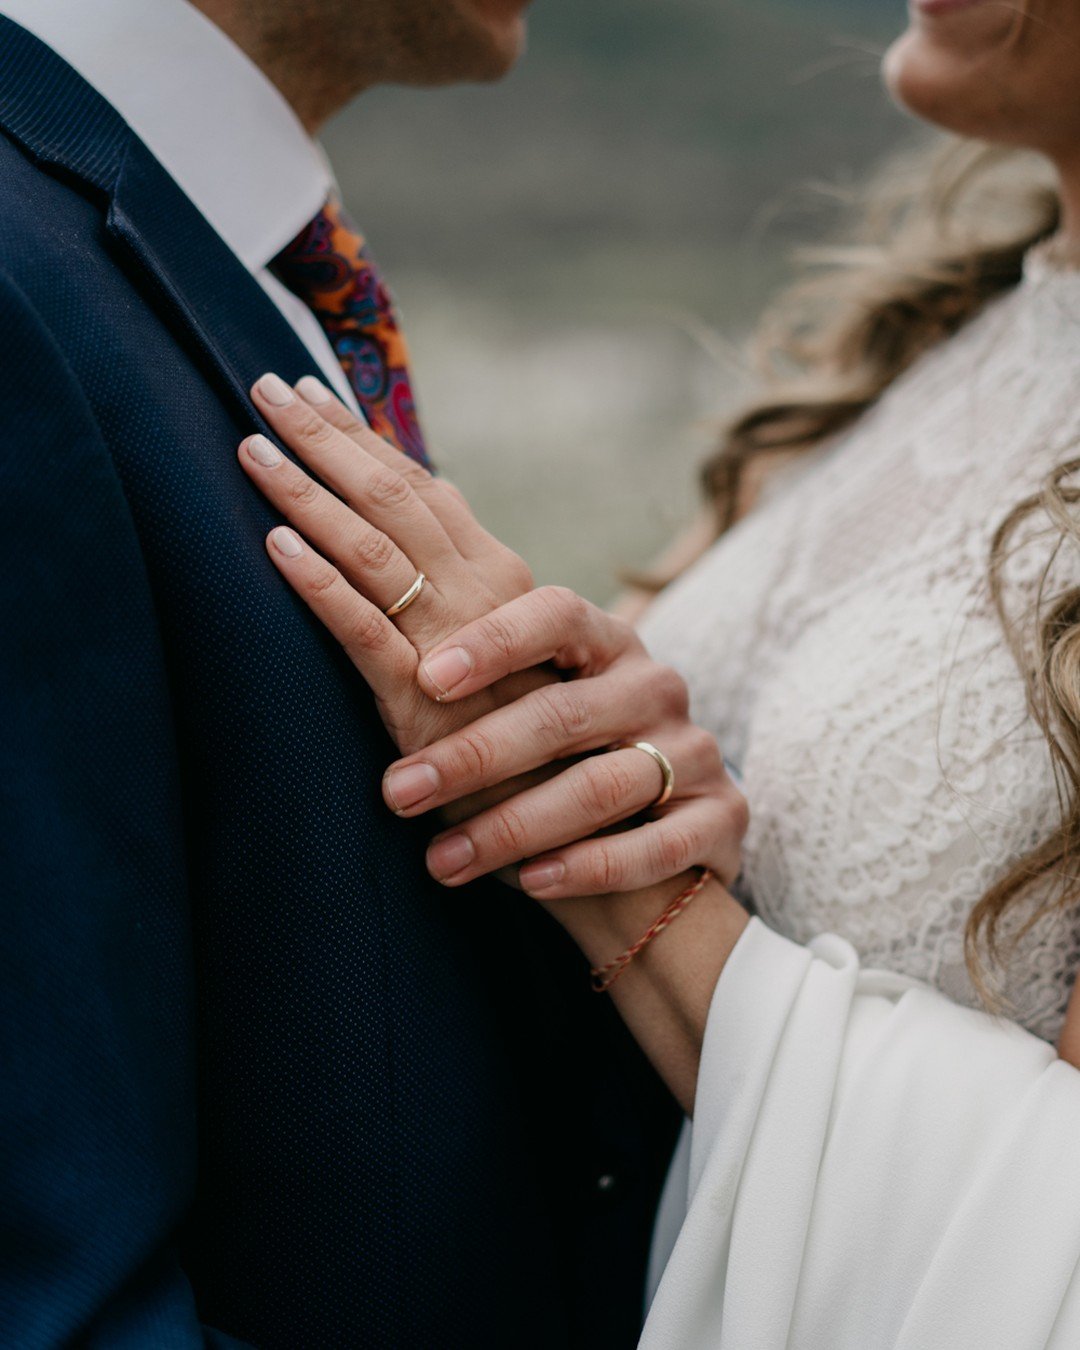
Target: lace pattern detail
{"points": [[842, 644]]}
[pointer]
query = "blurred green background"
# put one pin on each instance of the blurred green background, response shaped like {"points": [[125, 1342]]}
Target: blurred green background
{"points": [[580, 250]]}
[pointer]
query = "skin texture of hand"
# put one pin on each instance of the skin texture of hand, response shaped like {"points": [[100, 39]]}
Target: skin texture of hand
{"points": [[619, 694]]}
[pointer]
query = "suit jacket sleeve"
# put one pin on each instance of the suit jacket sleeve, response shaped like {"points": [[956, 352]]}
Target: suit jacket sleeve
{"points": [[97, 1095]]}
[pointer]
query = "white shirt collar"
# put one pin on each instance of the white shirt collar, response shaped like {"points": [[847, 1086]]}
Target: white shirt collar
{"points": [[203, 108]]}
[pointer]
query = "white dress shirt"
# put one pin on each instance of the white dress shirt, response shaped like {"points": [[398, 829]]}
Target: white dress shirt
{"points": [[212, 118]]}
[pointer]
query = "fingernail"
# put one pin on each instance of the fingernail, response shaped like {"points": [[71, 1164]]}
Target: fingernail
{"points": [[450, 856], [312, 390], [539, 876], [447, 669], [408, 786], [286, 542], [274, 389], [263, 452]]}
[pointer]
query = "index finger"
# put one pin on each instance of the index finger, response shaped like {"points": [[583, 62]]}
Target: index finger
{"points": [[441, 498], [383, 656], [551, 624], [378, 493]]}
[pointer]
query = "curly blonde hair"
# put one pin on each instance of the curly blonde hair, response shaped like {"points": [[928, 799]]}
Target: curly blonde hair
{"points": [[942, 233]]}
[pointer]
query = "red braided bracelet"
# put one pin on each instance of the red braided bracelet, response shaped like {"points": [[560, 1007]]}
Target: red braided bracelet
{"points": [[603, 977]]}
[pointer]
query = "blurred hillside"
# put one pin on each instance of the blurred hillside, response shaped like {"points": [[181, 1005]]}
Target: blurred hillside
{"points": [[578, 248]]}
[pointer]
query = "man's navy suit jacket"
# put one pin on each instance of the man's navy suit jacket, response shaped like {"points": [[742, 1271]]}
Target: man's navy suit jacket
{"points": [[263, 1083]]}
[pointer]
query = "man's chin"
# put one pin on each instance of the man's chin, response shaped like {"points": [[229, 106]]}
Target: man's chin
{"points": [[483, 58], [470, 47]]}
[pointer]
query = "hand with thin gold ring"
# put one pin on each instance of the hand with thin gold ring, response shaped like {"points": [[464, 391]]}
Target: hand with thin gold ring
{"points": [[365, 522], [621, 730], [465, 673]]}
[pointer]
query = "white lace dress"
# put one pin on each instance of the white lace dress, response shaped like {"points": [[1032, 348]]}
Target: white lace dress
{"points": [[872, 1165], [842, 646]]}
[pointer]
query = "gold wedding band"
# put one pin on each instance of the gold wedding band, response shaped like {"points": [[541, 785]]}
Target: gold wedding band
{"points": [[410, 595], [665, 768]]}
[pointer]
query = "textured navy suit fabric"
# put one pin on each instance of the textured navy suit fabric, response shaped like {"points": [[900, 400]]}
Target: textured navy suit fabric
{"points": [[262, 1082]]}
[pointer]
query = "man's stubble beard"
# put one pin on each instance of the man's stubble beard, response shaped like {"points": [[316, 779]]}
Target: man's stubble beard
{"points": [[322, 53]]}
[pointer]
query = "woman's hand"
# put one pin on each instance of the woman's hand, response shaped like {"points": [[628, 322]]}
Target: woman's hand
{"points": [[619, 695], [359, 542]]}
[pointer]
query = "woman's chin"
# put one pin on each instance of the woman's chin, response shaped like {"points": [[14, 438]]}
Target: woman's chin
{"points": [[937, 85]]}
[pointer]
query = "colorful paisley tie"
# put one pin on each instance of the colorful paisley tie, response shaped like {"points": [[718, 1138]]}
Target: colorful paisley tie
{"points": [[328, 267]]}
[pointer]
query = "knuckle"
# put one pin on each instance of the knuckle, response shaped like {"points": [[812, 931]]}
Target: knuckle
{"points": [[368, 629], [515, 572], [318, 434], [415, 475], [323, 580], [706, 745], [502, 637], [303, 491], [388, 490], [605, 872], [676, 850], [738, 809], [474, 756], [565, 713], [567, 607], [509, 834], [704, 752], [607, 788], [372, 551], [344, 419], [670, 691]]}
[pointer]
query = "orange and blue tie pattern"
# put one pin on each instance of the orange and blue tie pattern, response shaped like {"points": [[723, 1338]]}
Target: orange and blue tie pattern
{"points": [[328, 266]]}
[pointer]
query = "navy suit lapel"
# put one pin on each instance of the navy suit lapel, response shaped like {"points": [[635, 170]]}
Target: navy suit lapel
{"points": [[237, 329], [66, 126]]}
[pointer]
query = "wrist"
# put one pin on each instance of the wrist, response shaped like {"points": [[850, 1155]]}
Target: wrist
{"points": [[603, 926], [664, 993]]}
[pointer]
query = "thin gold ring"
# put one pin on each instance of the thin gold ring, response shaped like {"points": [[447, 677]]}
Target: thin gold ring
{"points": [[410, 595], [665, 768]]}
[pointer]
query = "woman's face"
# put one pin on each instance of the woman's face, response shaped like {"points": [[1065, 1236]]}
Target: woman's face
{"points": [[1006, 71]]}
